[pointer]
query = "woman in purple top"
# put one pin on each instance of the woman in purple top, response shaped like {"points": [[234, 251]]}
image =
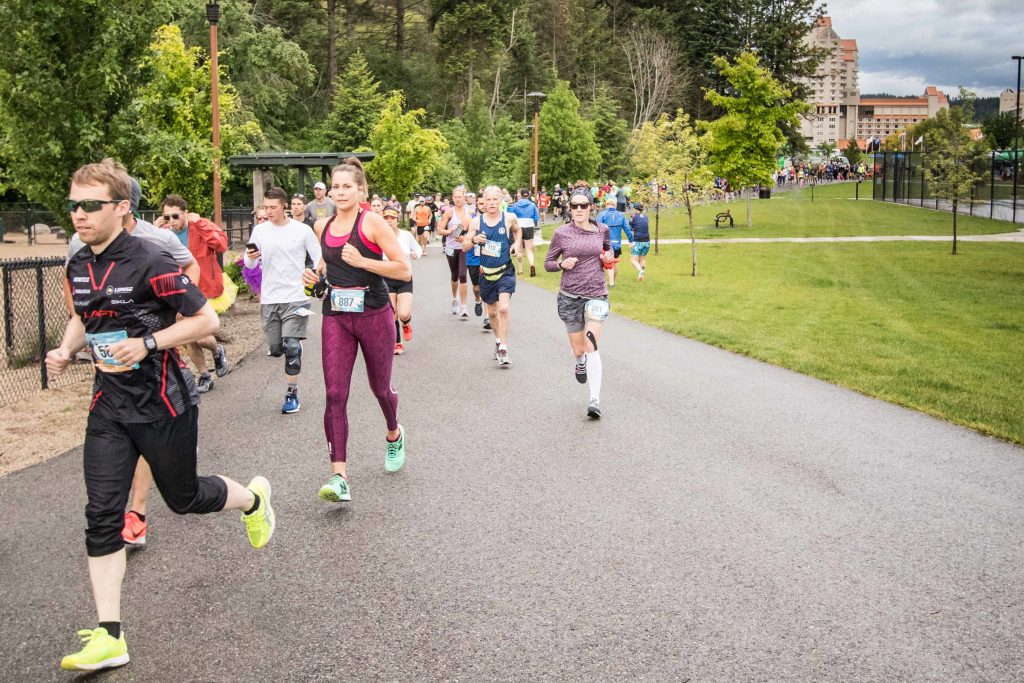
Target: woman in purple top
{"points": [[578, 249]]}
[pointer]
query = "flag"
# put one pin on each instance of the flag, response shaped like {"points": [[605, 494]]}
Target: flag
{"points": [[919, 140]]}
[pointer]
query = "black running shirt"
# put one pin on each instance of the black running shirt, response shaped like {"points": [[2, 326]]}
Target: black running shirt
{"points": [[133, 289]]}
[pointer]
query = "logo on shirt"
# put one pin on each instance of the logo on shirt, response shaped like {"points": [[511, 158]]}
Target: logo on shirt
{"points": [[79, 279], [101, 313], [184, 278], [122, 302], [501, 231]]}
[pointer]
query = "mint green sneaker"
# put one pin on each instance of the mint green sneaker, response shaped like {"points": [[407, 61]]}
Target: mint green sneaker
{"points": [[336, 490], [101, 651], [260, 524], [394, 457]]}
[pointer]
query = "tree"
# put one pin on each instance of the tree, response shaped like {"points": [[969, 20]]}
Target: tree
{"points": [[471, 137], [507, 162], [999, 130], [611, 132], [852, 153], [356, 108], [950, 155], [67, 69], [568, 150], [406, 152], [165, 134], [826, 150], [653, 71], [745, 140], [669, 150]]}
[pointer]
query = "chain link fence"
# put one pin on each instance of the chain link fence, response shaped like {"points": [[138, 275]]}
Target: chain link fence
{"points": [[899, 177], [34, 315]]}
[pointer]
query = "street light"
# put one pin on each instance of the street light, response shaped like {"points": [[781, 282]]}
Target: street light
{"points": [[536, 95], [1016, 139], [213, 16]]}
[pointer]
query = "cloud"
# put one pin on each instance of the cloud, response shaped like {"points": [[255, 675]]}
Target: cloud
{"points": [[906, 46]]}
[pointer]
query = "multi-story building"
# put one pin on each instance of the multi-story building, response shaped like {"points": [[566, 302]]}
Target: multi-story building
{"points": [[834, 90], [1008, 102], [882, 116]]}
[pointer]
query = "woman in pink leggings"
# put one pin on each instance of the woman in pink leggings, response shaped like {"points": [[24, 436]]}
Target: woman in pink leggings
{"points": [[357, 314]]}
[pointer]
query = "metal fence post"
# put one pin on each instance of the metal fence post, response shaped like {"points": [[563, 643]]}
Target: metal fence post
{"points": [[8, 312], [41, 303]]}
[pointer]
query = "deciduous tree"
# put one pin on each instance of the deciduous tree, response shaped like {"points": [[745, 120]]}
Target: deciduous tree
{"points": [[406, 152], [745, 140]]}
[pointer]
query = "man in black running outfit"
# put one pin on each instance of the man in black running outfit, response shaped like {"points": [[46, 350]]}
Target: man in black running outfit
{"points": [[126, 294]]}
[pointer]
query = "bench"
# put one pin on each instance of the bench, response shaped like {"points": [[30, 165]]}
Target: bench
{"points": [[724, 216]]}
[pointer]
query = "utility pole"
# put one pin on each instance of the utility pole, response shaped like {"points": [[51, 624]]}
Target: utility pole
{"points": [[1016, 139], [213, 16]]}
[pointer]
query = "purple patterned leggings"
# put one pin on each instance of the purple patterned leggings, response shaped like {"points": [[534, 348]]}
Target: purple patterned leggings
{"points": [[374, 332]]}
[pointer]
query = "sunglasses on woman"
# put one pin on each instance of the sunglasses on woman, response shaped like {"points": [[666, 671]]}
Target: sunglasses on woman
{"points": [[575, 205], [89, 205]]}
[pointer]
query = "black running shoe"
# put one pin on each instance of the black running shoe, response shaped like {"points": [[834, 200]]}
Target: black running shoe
{"points": [[478, 308], [581, 371], [220, 362], [487, 323], [205, 383]]}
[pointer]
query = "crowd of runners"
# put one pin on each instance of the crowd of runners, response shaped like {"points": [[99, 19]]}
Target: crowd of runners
{"points": [[141, 293]]}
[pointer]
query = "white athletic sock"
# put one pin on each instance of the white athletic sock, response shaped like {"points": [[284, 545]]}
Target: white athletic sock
{"points": [[594, 374]]}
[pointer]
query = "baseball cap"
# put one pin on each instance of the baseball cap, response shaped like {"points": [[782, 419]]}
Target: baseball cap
{"points": [[319, 186], [136, 195], [390, 213]]}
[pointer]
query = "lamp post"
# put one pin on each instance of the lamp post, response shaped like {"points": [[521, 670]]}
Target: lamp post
{"points": [[1016, 138], [535, 176], [213, 16]]}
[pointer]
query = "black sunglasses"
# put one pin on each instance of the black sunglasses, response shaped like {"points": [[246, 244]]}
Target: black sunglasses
{"points": [[577, 205], [89, 205], [172, 216]]}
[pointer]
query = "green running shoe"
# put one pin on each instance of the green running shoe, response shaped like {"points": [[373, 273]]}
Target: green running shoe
{"points": [[260, 524], [336, 490], [394, 457], [101, 651]]}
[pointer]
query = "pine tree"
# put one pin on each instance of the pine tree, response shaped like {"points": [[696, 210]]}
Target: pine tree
{"points": [[472, 135], [611, 132], [567, 148], [356, 108]]}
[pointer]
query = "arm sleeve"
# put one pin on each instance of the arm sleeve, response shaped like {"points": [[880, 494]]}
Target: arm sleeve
{"points": [[214, 237], [171, 286], [313, 246], [554, 251]]}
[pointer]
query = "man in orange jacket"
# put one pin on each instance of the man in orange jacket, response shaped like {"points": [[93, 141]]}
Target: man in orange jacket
{"points": [[205, 240]]}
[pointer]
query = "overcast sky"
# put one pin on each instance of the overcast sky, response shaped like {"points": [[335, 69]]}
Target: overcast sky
{"points": [[907, 45]]}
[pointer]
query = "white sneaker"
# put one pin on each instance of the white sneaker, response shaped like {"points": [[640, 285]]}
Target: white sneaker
{"points": [[464, 313], [455, 306], [503, 355]]}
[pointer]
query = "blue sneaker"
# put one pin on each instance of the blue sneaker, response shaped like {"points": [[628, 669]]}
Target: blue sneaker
{"points": [[291, 402]]}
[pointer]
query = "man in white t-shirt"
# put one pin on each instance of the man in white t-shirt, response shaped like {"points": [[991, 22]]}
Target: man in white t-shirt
{"points": [[281, 246]]}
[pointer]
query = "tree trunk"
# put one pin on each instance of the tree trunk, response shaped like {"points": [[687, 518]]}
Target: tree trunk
{"points": [[954, 227], [332, 47], [399, 27], [749, 199]]}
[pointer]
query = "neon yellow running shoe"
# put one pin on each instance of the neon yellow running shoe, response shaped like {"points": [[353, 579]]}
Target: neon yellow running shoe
{"points": [[260, 524], [101, 651], [394, 457]]}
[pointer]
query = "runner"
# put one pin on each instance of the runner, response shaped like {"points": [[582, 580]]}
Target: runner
{"points": [[377, 205], [499, 238], [144, 399], [641, 241], [423, 217], [451, 226], [473, 260], [357, 315], [528, 217], [616, 223], [298, 206], [281, 246], [577, 249], [543, 202], [400, 291], [321, 206], [135, 524], [205, 240]]}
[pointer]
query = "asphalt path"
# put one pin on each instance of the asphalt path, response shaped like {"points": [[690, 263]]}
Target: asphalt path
{"points": [[726, 520]]}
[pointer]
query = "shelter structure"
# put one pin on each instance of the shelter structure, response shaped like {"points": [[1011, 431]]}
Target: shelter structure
{"points": [[312, 167]]}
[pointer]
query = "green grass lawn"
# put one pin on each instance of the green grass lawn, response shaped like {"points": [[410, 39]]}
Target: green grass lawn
{"points": [[903, 321], [833, 213]]}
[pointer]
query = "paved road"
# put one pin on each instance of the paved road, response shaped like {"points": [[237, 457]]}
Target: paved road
{"points": [[726, 521]]}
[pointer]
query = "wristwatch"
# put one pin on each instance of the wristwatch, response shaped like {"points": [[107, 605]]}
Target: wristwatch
{"points": [[150, 342]]}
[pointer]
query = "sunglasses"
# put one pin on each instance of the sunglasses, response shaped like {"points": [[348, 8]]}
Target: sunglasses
{"points": [[579, 206], [299, 196], [172, 216], [89, 205]]}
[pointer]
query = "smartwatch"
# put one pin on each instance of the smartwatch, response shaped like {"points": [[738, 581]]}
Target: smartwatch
{"points": [[150, 342]]}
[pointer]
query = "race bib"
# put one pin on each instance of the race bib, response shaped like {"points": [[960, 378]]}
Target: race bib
{"points": [[100, 343], [596, 310], [347, 300], [492, 248], [449, 252]]}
